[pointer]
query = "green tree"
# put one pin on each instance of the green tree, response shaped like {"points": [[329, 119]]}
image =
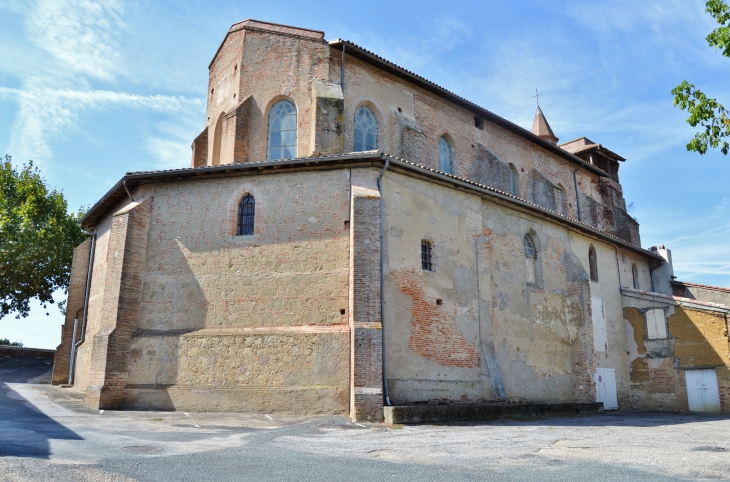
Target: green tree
{"points": [[705, 111], [37, 239]]}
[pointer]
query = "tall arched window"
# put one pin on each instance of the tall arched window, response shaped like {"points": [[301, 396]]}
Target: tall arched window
{"points": [[635, 274], [528, 245], [282, 142], [366, 130], [446, 161], [217, 137], [246, 214], [593, 263]]}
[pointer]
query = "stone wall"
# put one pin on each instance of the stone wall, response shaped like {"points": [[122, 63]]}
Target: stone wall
{"points": [[476, 328], [245, 323]]}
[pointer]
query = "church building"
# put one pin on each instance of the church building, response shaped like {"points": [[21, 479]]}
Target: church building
{"points": [[350, 235]]}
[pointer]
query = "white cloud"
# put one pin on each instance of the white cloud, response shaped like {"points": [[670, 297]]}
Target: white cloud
{"points": [[44, 114], [413, 51], [80, 34]]}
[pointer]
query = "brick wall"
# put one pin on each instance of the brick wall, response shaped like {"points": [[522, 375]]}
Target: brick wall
{"points": [[123, 283], [366, 369]]}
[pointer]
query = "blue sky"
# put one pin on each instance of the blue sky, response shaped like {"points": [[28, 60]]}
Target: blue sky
{"points": [[90, 89]]}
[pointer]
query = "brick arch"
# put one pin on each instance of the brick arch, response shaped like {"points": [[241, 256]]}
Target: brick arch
{"points": [[230, 227]]}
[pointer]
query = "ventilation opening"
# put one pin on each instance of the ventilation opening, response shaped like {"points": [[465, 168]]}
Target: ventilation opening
{"points": [[343, 311], [439, 301], [347, 224], [479, 123]]}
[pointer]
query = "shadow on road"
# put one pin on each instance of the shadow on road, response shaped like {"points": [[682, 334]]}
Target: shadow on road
{"points": [[25, 431]]}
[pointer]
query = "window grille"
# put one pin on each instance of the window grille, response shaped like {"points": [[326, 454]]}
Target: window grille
{"points": [[282, 138], [593, 263], [426, 255], [446, 162], [366, 130], [246, 214]]}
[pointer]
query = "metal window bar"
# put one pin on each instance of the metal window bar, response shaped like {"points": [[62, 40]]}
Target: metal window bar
{"points": [[426, 255], [246, 213]]}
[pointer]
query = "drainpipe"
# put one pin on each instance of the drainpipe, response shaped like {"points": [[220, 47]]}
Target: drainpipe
{"points": [[73, 342], [382, 278], [342, 85], [577, 193], [124, 183], [74, 348]]}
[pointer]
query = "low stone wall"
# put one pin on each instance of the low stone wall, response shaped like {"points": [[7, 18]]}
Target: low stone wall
{"points": [[22, 351], [479, 412]]}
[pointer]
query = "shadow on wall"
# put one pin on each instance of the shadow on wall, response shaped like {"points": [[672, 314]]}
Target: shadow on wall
{"points": [[25, 431], [173, 305], [694, 332]]}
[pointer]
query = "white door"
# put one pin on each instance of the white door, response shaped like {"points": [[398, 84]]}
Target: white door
{"points": [[605, 379], [702, 392]]}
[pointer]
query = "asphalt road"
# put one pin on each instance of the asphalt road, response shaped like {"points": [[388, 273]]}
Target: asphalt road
{"points": [[47, 435]]}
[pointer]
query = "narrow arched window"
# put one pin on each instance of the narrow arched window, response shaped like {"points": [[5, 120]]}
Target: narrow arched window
{"points": [[282, 138], [366, 130], [635, 274], [593, 263], [513, 181], [528, 245], [246, 214], [446, 162]]}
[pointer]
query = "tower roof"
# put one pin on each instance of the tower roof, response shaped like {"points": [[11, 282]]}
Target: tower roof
{"points": [[541, 128]]}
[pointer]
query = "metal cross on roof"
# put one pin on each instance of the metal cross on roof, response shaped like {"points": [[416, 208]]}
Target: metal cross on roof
{"points": [[537, 97]]}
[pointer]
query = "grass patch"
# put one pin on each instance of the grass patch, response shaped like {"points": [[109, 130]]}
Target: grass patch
{"points": [[157, 419], [396, 426]]}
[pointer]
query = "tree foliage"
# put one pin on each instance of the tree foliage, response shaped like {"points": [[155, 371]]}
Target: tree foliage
{"points": [[703, 110], [37, 239]]}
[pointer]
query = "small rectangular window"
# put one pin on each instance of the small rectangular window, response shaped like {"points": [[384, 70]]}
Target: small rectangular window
{"points": [[426, 255], [656, 325]]}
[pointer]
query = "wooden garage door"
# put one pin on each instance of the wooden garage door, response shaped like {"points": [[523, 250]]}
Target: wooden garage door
{"points": [[702, 392]]}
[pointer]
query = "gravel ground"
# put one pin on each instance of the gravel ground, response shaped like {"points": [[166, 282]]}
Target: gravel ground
{"points": [[47, 435]]}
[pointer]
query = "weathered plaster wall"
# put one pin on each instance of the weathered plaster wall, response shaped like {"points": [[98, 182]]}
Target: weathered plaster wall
{"points": [[493, 335]]}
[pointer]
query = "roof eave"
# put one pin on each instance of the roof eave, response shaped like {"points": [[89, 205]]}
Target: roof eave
{"points": [[117, 193]]}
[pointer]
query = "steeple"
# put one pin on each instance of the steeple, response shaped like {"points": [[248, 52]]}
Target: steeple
{"points": [[541, 128]]}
